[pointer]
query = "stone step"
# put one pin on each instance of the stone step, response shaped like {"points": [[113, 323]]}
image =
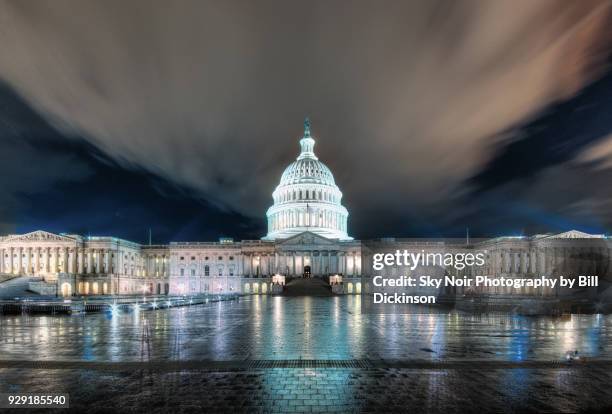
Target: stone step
{"points": [[307, 287]]}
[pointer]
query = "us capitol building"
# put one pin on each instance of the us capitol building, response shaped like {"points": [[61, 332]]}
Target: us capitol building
{"points": [[307, 237]]}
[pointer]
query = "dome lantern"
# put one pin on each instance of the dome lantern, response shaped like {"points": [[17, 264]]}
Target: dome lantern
{"points": [[307, 142]]}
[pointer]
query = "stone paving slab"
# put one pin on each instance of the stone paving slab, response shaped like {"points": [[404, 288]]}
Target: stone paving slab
{"points": [[238, 365], [323, 390]]}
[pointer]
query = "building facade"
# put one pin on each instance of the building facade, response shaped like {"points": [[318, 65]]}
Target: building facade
{"points": [[307, 236]]}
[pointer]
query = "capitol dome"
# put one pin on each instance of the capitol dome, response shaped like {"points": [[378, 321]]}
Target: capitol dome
{"points": [[307, 198]]}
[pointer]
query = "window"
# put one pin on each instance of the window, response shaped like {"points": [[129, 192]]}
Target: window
{"points": [[182, 272], [192, 257], [206, 271], [220, 271], [192, 272], [206, 258], [182, 258], [231, 257], [220, 258]]}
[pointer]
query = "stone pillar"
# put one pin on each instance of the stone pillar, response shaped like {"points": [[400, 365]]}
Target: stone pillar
{"points": [[12, 260], [28, 252], [20, 260], [99, 261], [37, 260], [263, 264], [70, 267], [80, 260], [89, 261], [65, 260], [107, 262], [49, 260], [52, 260], [293, 264], [57, 260]]}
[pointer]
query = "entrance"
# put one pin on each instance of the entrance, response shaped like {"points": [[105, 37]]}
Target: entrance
{"points": [[307, 271]]}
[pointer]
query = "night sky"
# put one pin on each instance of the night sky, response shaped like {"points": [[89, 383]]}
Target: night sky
{"points": [[433, 116]]}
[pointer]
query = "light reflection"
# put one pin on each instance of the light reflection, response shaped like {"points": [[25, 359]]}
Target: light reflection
{"points": [[267, 327]]}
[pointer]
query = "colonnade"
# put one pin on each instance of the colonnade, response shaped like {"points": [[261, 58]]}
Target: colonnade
{"points": [[546, 260], [321, 262], [35, 260], [157, 265], [307, 217]]}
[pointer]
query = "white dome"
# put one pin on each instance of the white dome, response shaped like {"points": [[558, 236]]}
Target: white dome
{"points": [[307, 198], [307, 170]]}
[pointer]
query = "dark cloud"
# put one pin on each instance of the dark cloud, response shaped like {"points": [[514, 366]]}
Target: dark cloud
{"points": [[406, 98], [27, 164]]}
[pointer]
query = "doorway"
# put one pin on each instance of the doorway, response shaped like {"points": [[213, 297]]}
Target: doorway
{"points": [[307, 271]]}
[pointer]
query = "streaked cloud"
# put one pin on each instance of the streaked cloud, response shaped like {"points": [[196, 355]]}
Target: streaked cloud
{"points": [[407, 100]]}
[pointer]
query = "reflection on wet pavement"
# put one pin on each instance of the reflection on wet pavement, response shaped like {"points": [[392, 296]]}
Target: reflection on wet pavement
{"points": [[308, 328]]}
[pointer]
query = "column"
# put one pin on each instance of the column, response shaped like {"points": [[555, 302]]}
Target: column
{"points": [[58, 255], [20, 260], [28, 251], [80, 260], [65, 260], [37, 260], [99, 261], [70, 266], [11, 261], [52, 260], [89, 261], [107, 254]]}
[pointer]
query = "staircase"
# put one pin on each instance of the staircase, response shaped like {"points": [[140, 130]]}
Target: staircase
{"points": [[17, 287], [307, 287]]}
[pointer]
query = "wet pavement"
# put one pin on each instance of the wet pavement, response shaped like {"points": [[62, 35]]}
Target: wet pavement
{"points": [[309, 354]]}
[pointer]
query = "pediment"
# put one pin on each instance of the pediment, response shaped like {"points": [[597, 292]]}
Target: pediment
{"points": [[575, 234], [37, 236], [307, 238]]}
